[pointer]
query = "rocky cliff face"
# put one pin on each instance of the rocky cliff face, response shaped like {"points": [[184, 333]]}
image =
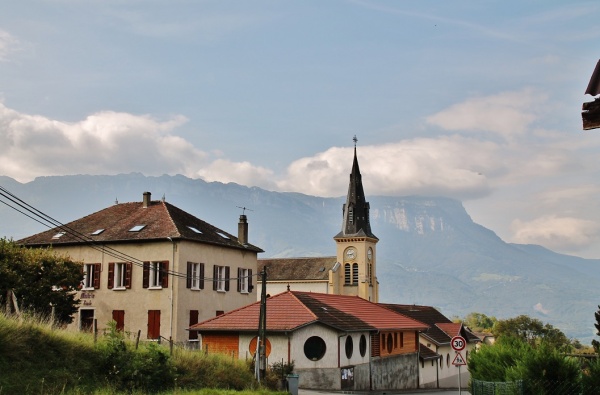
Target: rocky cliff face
{"points": [[430, 251]]}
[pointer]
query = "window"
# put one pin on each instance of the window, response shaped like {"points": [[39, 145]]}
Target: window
{"points": [[347, 273], [221, 278], [153, 324], [401, 339], [362, 345], [314, 348], [86, 320], [195, 230], [156, 275], [193, 335], [97, 232], [349, 346], [351, 214], [137, 228], [91, 276], [58, 235], [119, 317], [355, 273], [119, 275], [244, 282], [390, 343], [370, 273], [195, 275]]}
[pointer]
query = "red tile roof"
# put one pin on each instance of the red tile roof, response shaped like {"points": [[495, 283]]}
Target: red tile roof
{"points": [[161, 220], [451, 329], [293, 309]]}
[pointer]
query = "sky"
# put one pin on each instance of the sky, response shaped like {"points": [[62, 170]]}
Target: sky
{"points": [[474, 100]]}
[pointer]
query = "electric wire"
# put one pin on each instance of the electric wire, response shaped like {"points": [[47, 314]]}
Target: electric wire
{"points": [[51, 223]]}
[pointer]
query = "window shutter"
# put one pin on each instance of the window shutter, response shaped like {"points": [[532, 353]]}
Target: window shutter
{"points": [[215, 277], [96, 271], [227, 278], [111, 275], [193, 335], [128, 275], [188, 277], [239, 280], [146, 276], [164, 267], [202, 276], [250, 286]]}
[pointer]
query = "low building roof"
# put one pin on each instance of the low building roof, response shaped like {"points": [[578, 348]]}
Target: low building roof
{"points": [[135, 222], [291, 310], [298, 269]]}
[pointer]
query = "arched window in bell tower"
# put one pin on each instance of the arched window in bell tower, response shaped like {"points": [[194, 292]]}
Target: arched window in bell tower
{"points": [[347, 273], [355, 273]]}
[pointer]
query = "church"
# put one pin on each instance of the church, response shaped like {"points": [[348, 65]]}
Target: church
{"points": [[352, 271]]}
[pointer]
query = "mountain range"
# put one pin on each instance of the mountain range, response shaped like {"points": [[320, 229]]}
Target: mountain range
{"points": [[430, 251]]}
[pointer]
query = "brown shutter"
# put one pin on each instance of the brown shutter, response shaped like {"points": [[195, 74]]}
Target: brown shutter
{"points": [[153, 324], [146, 275], [250, 286], [119, 317], [202, 276], [111, 275], [188, 277], [239, 280], [128, 269], [193, 335], [96, 271], [164, 272], [215, 279], [227, 278]]}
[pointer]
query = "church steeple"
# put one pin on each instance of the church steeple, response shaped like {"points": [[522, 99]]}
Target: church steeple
{"points": [[356, 245], [356, 221]]}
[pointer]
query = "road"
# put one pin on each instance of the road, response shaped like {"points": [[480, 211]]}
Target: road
{"points": [[407, 392]]}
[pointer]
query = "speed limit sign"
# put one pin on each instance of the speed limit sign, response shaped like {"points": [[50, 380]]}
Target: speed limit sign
{"points": [[458, 343]]}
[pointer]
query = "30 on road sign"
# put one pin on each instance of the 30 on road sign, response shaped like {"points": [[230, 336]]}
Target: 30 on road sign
{"points": [[458, 343]]}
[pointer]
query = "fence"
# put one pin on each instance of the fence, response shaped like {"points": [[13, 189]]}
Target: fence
{"points": [[531, 387]]}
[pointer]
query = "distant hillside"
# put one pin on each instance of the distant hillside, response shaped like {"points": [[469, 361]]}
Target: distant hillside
{"points": [[430, 251]]}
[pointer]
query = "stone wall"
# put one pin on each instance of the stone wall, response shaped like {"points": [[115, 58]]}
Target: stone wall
{"points": [[395, 372]]}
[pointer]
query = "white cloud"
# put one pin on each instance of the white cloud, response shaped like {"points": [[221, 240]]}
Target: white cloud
{"points": [[556, 233], [540, 309], [243, 173], [508, 113], [420, 166], [8, 45]]}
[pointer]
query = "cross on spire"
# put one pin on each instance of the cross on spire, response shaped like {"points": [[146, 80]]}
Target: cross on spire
{"points": [[355, 140]]}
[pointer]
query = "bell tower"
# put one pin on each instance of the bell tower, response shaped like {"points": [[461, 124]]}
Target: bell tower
{"points": [[356, 244]]}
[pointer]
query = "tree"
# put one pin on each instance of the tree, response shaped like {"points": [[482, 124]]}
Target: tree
{"points": [[41, 280], [479, 322], [532, 331], [596, 343]]}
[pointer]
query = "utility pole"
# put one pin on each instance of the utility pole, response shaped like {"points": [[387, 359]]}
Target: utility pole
{"points": [[261, 357]]}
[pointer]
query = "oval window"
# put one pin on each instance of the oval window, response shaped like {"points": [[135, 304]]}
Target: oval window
{"points": [[349, 346], [314, 348], [362, 345]]}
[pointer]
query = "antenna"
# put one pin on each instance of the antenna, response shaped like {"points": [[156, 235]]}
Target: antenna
{"points": [[244, 209]]}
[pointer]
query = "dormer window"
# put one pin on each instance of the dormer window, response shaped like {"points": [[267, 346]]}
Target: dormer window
{"points": [[137, 228]]}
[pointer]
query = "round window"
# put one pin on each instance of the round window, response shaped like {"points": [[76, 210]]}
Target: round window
{"points": [[314, 348], [362, 345], [349, 346]]}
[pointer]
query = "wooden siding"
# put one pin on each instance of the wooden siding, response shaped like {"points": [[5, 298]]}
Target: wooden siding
{"points": [[223, 343]]}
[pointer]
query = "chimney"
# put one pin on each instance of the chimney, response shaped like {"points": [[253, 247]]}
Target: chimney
{"points": [[146, 199], [243, 230]]}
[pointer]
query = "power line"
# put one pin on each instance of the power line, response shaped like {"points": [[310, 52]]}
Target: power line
{"points": [[50, 222]]}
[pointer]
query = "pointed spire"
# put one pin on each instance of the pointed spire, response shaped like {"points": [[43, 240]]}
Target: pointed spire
{"points": [[356, 219]]}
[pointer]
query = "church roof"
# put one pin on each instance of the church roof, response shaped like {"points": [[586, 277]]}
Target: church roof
{"points": [[135, 222], [297, 269], [294, 309], [356, 220]]}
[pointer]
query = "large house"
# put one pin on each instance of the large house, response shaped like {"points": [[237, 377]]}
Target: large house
{"points": [[336, 342], [353, 271], [154, 268]]}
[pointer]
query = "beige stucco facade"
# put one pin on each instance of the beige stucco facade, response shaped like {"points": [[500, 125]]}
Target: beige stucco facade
{"points": [[175, 302], [362, 252]]}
